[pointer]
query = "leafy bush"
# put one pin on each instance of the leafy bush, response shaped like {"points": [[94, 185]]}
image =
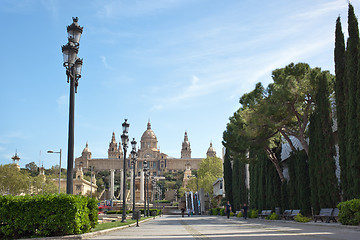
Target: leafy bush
{"points": [[240, 214], [222, 212], [232, 214], [254, 213], [273, 216], [349, 212], [214, 211], [46, 215], [301, 218]]}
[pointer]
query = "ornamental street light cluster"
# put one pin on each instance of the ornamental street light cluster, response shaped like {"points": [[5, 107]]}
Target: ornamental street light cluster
{"points": [[125, 142], [133, 163], [146, 174], [73, 66]]}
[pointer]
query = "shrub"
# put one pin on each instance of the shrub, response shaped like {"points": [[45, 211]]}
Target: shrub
{"points": [[240, 214], [301, 218], [349, 212], [232, 214], [254, 213], [273, 216], [222, 212], [46, 215], [214, 211]]}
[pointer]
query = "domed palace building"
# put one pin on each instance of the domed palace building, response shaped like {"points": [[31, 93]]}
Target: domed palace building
{"points": [[158, 162]]}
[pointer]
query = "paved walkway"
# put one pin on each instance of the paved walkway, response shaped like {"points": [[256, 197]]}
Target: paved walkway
{"points": [[217, 227]]}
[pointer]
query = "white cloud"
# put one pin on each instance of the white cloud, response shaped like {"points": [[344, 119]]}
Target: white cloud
{"points": [[115, 8], [103, 60]]}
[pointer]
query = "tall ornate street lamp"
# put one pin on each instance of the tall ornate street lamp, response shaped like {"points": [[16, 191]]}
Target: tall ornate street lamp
{"points": [[73, 66], [125, 142], [50, 151], [145, 175], [91, 179], [133, 163], [147, 189]]}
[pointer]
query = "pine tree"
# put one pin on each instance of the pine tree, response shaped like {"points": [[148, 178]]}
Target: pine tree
{"points": [[351, 70], [341, 90], [228, 177]]}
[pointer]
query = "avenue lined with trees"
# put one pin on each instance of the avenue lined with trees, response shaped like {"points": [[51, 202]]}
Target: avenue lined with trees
{"points": [[311, 112]]}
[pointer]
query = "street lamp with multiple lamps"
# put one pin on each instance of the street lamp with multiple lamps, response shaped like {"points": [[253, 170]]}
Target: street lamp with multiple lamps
{"points": [[125, 142], [50, 151], [146, 168], [133, 163], [73, 66]]}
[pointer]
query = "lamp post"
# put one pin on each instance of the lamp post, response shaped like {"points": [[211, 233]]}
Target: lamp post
{"points": [[145, 175], [133, 162], [124, 140], [147, 189], [73, 66], [91, 179], [50, 151]]}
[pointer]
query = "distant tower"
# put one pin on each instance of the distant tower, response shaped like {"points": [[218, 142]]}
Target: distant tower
{"points": [[16, 159], [211, 151], [186, 150], [79, 172], [113, 151]]}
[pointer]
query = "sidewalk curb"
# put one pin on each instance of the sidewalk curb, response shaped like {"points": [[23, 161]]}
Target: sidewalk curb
{"points": [[90, 234], [312, 223]]}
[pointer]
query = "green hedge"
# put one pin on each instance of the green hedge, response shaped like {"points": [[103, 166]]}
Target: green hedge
{"points": [[46, 215], [118, 212], [151, 210], [349, 212], [162, 201]]}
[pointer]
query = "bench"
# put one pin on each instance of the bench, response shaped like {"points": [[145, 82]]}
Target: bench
{"points": [[286, 214], [265, 213], [325, 214], [335, 215], [293, 214]]}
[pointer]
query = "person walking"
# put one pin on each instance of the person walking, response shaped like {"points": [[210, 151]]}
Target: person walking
{"points": [[182, 211], [228, 209], [245, 210]]}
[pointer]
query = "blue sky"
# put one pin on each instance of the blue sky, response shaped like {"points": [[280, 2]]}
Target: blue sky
{"points": [[183, 64]]}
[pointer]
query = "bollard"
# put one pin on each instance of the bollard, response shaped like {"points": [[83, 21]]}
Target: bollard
{"points": [[138, 215]]}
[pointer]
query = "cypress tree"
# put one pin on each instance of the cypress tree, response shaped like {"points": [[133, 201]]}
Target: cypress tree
{"points": [[314, 162], [328, 188], [302, 182], [293, 198], [341, 90], [242, 185], [351, 71], [228, 177], [236, 184]]}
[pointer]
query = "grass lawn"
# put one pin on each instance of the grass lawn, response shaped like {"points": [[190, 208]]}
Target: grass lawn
{"points": [[109, 225]]}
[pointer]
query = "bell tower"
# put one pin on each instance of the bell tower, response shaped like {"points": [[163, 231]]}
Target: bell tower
{"points": [[186, 150], [113, 151]]}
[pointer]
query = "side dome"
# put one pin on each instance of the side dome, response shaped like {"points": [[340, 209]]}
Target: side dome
{"points": [[86, 149]]}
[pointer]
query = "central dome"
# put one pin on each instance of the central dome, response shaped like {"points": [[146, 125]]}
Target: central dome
{"points": [[148, 139]]}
